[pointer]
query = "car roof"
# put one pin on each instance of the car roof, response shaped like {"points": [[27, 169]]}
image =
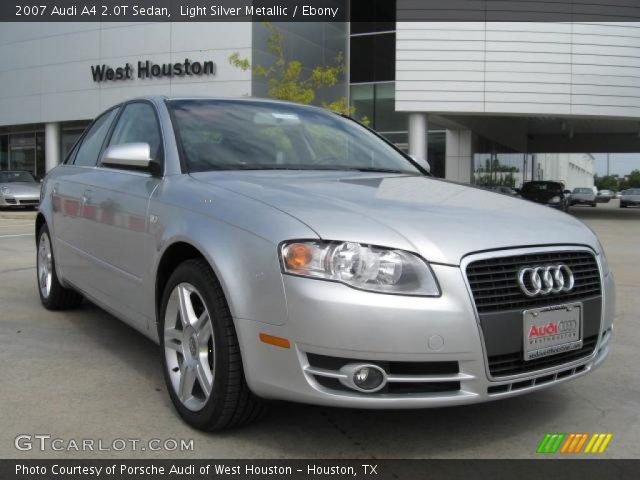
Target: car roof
{"points": [[542, 182]]}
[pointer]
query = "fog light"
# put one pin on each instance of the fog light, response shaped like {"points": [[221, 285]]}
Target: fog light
{"points": [[363, 378], [367, 378]]}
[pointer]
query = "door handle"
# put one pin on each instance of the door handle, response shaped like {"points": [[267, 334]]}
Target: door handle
{"points": [[86, 196], [55, 189]]}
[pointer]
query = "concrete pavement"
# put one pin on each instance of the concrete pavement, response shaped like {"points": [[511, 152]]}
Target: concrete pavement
{"points": [[85, 375]]}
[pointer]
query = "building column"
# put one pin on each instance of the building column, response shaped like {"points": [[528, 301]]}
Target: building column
{"points": [[418, 139], [459, 156], [52, 145]]}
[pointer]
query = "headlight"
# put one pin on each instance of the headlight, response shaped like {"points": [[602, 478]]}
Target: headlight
{"points": [[5, 190], [364, 267], [555, 199]]}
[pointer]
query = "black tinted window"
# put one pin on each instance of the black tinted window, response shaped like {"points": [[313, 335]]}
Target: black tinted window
{"points": [[92, 142], [138, 124]]}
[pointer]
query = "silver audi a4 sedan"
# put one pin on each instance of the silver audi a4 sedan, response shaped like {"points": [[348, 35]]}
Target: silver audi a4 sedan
{"points": [[279, 251]]}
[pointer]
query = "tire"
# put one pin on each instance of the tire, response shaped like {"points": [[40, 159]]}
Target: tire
{"points": [[52, 294], [622, 205], [594, 205], [201, 357]]}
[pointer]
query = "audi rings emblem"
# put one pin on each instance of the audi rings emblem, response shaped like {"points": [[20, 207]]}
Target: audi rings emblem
{"points": [[536, 281]]}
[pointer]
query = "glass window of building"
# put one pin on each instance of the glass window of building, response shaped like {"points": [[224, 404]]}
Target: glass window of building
{"points": [[4, 152], [373, 58], [372, 16]]}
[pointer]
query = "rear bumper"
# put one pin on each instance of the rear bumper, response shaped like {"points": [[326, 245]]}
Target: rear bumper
{"points": [[337, 323]]}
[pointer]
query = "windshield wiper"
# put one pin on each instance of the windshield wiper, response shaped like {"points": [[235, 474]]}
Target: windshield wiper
{"points": [[375, 170]]}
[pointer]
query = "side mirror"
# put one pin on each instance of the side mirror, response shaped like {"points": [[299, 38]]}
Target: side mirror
{"points": [[422, 162], [567, 192], [130, 155]]}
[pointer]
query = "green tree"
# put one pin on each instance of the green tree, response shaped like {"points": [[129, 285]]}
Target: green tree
{"points": [[633, 179], [288, 79], [608, 182]]}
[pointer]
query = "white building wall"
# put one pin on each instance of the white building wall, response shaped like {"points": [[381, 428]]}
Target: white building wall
{"points": [[574, 169], [45, 68], [518, 68]]}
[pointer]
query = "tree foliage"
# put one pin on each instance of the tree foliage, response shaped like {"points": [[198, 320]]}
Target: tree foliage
{"points": [[616, 183], [290, 80]]}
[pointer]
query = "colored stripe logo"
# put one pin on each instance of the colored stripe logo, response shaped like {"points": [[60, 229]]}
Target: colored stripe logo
{"points": [[574, 443]]}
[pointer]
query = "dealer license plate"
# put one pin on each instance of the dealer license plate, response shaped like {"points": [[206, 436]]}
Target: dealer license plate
{"points": [[552, 330]]}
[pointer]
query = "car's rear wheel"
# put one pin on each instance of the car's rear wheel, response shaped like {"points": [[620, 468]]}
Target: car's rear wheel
{"points": [[52, 294], [200, 352]]}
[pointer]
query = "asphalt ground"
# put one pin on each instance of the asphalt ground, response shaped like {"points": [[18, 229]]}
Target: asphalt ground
{"points": [[84, 375]]}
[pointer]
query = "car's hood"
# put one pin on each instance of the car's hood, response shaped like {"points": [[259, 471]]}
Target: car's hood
{"points": [[441, 220], [23, 188]]}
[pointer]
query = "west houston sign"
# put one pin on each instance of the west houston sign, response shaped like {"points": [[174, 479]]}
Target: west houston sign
{"points": [[148, 69]]}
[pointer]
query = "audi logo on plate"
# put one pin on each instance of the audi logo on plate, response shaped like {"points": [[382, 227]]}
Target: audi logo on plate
{"points": [[544, 280]]}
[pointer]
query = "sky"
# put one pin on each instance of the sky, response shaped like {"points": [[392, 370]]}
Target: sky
{"points": [[619, 163]]}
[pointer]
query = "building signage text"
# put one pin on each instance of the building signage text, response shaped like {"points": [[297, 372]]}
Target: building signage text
{"points": [[148, 69]]}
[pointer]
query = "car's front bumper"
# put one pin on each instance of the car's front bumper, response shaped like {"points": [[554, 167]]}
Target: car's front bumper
{"points": [[9, 200], [332, 321]]}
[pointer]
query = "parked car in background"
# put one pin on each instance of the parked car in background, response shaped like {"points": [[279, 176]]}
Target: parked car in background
{"points": [[19, 188], [630, 198], [551, 194], [505, 190], [604, 196], [285, 252], [583, 196]]}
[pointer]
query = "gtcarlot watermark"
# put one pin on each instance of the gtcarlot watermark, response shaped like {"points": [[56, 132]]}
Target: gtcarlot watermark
{"points": [[44, 442]]}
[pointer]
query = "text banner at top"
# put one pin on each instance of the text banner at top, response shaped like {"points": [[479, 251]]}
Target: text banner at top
{"points": [[320, 10]]}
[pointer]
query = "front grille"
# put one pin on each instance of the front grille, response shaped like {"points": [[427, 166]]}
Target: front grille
{"points": [[494, 281], [513, 364], [29, 202]]}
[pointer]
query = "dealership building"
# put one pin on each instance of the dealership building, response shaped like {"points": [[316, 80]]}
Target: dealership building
{"points": [[476, 98]]}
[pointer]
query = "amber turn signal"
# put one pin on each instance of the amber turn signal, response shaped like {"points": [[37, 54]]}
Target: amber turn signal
{"points": [[276, 341], [297, 256]]}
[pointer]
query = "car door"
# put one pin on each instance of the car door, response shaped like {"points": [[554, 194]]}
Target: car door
{"points": [[118, 231], [67, 187]]}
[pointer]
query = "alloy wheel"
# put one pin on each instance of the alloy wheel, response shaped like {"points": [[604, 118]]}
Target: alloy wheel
{"points": [[188, 346], [45, 265]]}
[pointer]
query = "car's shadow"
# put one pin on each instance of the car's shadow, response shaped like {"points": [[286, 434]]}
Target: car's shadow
{"points": [[293, 430]]}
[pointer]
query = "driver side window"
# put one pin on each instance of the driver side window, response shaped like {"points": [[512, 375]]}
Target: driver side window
{"points": [[138, 124]]}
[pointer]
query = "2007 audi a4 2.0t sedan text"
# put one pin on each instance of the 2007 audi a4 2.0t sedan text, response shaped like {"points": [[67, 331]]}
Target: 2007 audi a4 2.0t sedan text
{"points": [[279, 251]]}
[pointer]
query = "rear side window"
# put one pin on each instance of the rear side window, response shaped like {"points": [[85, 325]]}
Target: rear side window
{"points": [[138, 124], [91, 145]]}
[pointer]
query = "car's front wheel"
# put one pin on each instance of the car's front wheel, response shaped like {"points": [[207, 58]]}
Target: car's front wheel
{"points": [[200, 352], [52, 294]]}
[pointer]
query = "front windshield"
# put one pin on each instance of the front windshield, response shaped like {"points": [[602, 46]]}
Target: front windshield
{"points": [[633, 191], [247, 135], [582, 190], [16, 177]]}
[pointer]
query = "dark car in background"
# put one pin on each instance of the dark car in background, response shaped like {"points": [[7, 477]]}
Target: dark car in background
{"points": [[630, 198], [583, 196], [551, 194]]}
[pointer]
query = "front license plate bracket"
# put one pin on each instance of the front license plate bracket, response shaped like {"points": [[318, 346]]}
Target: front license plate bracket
{"points": [[551, 330]]}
